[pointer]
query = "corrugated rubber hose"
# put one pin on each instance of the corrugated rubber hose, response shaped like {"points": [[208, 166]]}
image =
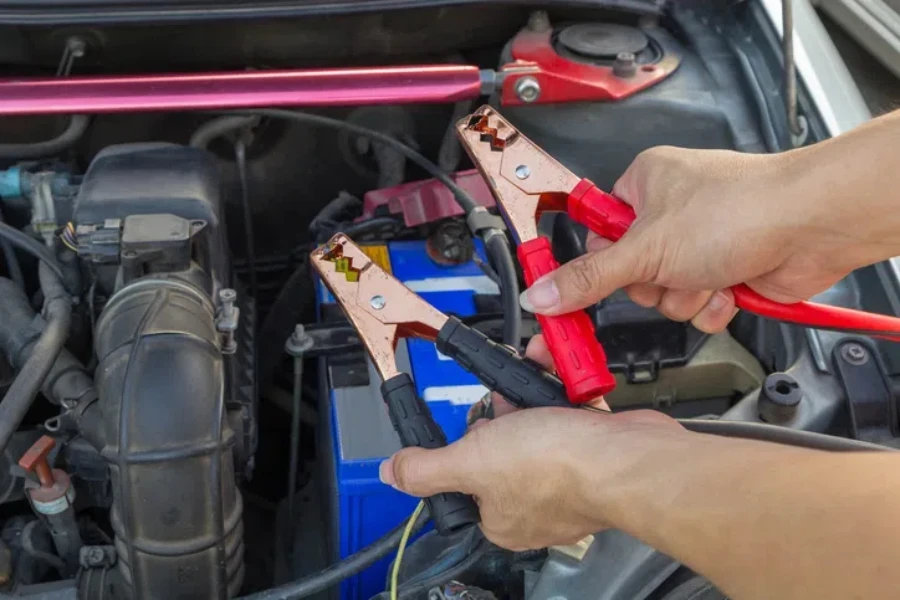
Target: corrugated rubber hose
{"points": [[24, 388]]}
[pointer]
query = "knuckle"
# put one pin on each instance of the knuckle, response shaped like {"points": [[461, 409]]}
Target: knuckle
{"points": [[407, 471], [584, 276], [648, 263], [676, 308], [644, 294], [658, 155]]}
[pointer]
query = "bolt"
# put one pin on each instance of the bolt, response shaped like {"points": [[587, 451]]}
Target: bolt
{"points": [[227, 296], [378, 302], [449, 244], [95, 556], [855, 354], [625, 65], [523, 172], [528, 89], [453, 250], [299, 342]]}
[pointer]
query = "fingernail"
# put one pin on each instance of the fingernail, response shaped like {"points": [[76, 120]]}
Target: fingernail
{"points": [[525, 303], [541, 297], [386, 473], [718, 301]]}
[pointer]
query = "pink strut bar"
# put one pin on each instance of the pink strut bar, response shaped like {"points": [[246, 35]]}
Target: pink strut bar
{"points": [[245, 89]]}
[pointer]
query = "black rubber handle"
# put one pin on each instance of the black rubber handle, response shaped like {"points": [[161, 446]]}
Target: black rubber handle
{"points": [[523, 382], [416, 427]]}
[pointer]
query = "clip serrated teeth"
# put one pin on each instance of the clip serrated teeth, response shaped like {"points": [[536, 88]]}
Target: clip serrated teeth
{"points": [[342, 264], [490, 134]]}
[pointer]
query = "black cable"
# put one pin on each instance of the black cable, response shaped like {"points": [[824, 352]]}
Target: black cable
{"points": [[462, 197], [413, 589], [29, 549], [76, 128], [294, 463], [449, 558], [487, 269], [369, 226], [24, 388], [500, 255], [240, 155], [30, 245], [206, 133], [566, 238], [763, 432], [759, 98], [339, 571], [13, 268], [779, 435]]}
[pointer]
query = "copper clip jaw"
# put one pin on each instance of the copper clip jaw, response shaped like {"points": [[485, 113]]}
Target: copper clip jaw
{"points": [[380, 308], [524, 179]]}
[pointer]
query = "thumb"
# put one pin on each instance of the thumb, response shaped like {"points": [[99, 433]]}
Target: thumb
{"points": [[424, 473], [589, 278]]}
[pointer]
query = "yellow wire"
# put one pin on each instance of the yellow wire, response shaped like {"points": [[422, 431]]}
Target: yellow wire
{"points": [[71, 229], [67, 243], [395, 572]]}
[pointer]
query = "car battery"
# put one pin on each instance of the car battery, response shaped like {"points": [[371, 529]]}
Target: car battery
{"points": [[359, 432]]}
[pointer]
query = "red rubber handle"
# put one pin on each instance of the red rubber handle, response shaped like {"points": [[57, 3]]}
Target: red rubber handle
{"points": [[602, 213], [577, 355], [609, 217]]}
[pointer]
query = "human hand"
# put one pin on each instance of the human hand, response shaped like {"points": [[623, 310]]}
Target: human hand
{"points": [[710, 219], [537, 474]]}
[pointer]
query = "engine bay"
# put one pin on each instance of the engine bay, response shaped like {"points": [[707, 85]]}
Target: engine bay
{"points": [[188, 413]]}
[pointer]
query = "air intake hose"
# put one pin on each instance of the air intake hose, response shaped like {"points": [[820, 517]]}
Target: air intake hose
{"points": [[176, 510]]}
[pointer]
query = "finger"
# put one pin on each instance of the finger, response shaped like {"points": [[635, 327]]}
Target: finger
{"points": [[483, 409], [595, 243], [424, 473], [501, 405], [626, 187], [682, 305], [590, 278], [538, 351], [647, 295], [717, 313], [479, 423], [778, 293]]}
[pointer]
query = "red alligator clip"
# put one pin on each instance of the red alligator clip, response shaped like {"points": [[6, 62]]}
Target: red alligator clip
{"points": [[526, 181]]}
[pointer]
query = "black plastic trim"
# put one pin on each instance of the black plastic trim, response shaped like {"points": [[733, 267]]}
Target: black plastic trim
{"points": [[98, 12]]}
